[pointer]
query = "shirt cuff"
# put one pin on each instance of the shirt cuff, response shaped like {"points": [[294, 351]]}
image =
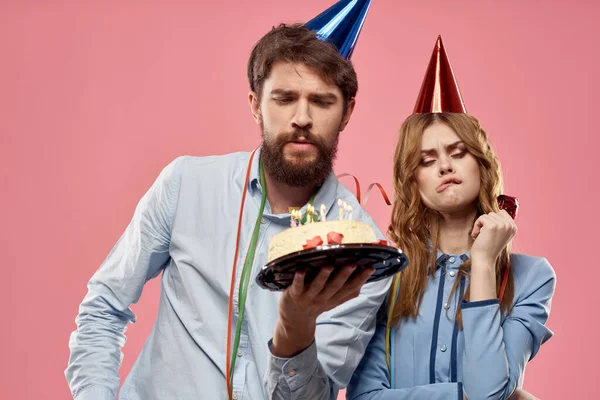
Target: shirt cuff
{"points": [[298, 370], [481, 303], [479, 316], [95, 393]]}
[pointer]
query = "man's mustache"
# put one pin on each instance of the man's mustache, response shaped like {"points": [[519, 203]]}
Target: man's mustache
{"points": [[297, 135]]}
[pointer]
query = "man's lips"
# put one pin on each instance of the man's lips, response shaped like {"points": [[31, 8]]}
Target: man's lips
{"points": [[301, 145]]}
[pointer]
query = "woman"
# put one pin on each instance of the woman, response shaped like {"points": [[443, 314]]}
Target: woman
{"points": [[455, 331]]}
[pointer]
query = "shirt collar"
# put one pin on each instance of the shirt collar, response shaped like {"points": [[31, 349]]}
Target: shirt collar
{"points": [[254, 179], [451, 261], [326, 195]]}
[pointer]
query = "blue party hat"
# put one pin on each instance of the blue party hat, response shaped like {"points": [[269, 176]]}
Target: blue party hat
{"points": [[340, 24]]}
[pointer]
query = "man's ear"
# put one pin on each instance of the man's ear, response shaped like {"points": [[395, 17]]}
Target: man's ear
{"points": [[348, 114], [254, 102]]}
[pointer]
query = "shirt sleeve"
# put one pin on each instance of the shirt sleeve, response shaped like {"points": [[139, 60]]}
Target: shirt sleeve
{"points": [[139, 255], [298, 377], [324, 368], [341, 338], [496, 352], [371, 380]]}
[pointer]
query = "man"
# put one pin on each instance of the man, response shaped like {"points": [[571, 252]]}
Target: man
{"points": [[186, 227]]}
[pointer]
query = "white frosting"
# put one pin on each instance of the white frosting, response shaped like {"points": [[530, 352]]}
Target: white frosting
{"points": [[293, 239]]}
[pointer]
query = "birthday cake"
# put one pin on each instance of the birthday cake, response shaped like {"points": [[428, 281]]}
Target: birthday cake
{"points": [[313, 231]]}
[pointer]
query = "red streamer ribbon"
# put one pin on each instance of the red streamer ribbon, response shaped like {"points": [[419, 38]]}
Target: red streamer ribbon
{"points": [[511, 206], [356, 183], [368, 192], [381, 189]]}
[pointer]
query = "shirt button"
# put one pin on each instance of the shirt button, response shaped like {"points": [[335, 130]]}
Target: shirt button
{"points": [[452, 273], [235, 396], [240, 353], [451, 259], [443, 347], [446, 306], [292, 372]]}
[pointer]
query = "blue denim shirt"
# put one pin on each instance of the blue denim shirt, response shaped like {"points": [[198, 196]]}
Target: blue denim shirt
{"points": [[432, 359]]}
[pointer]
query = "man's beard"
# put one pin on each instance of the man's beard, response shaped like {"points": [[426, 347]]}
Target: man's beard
{"points": [[301, 173]]}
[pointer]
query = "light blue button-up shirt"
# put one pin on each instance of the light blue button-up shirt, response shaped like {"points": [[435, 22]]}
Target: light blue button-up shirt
{"points": [[433, 359], [185, 229]]}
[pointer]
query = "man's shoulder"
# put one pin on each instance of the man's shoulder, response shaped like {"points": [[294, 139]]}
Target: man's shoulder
{"points": [[186, 165]]}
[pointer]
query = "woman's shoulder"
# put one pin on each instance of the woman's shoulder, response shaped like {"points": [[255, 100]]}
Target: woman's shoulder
{"points": [[531, 273]]}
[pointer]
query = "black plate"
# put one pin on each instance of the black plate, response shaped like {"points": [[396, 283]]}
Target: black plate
{"points": [[279, 273]]}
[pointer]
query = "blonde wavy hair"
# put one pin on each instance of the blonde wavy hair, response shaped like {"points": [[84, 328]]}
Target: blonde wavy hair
{"points": [[414, 226]]}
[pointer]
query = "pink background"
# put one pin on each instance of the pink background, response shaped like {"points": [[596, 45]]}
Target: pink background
{"points": [[96, 97]]}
